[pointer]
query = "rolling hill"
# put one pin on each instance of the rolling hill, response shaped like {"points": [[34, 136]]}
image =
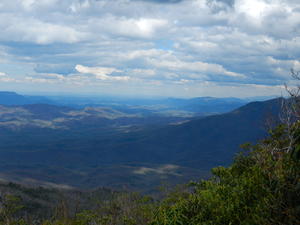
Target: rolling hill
{"points": [[94, 147]]}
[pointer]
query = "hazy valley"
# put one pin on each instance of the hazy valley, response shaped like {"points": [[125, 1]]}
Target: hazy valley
{"points": [[124, 144]]}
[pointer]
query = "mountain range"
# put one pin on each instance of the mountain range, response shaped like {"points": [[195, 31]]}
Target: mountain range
{"points": [[193, 106], [93, 146]]}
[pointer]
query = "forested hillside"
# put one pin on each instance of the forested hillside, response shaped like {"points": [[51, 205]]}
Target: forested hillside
{"points": [[260, 187], [97, 146]]}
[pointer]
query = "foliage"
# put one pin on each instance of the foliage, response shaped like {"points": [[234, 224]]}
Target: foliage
{"points": [[126, 209], [122, 208], [262, 186], [9, 207]]}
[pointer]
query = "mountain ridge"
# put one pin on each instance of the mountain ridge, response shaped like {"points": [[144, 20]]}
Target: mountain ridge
{"points": [[91, 155]]}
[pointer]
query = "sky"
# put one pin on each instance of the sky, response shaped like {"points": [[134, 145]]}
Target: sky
{"points": [[180, 48]]}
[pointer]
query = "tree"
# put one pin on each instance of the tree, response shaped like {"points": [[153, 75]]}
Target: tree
{"points": [[262, 186], [9, 207]]}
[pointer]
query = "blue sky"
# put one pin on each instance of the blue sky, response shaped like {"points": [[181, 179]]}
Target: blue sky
{"points": [[181, 48]]}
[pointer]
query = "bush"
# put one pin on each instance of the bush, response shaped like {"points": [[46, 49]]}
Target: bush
{"points": [[262, 186]]}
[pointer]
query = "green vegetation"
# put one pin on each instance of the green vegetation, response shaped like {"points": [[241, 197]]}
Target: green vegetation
{"points": [[262, 186], [98, 207]]}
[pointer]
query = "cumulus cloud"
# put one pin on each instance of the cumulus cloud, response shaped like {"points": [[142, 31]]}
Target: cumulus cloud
{"points": [[130, 27], [200, 67], [163, 43], [102, 73], [40, 32]]}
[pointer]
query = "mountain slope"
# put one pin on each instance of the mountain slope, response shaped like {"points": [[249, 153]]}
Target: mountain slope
{"points": [[89, 155], [12, 98], [207, 141]]}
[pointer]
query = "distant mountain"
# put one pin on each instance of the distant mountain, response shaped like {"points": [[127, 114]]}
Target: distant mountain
{"points": [[201, 106], [199, 143], [205, 142], [45, 116], [101, 146], [12, 98], [206, 105]]}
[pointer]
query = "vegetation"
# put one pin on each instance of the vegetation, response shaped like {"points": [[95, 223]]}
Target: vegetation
{"points": [[103, 207], [94, 152], [262, 186]]}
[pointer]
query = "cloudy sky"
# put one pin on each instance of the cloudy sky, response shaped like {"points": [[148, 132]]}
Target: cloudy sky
{"points": [[149, 47]]}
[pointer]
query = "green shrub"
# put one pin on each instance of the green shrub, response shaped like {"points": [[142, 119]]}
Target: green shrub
{"points": [[262, 186]]}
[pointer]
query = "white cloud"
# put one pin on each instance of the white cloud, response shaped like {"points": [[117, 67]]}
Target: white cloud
{"points": [[5, 78], [146, 53], [283, 67], [31, 30], [147, 27], [55, 79], [77, 6], [200, 67], [128, 27], [248, 41], [38, 80], [143, 72], [182, 81], [252, 8], [102, 73]]}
